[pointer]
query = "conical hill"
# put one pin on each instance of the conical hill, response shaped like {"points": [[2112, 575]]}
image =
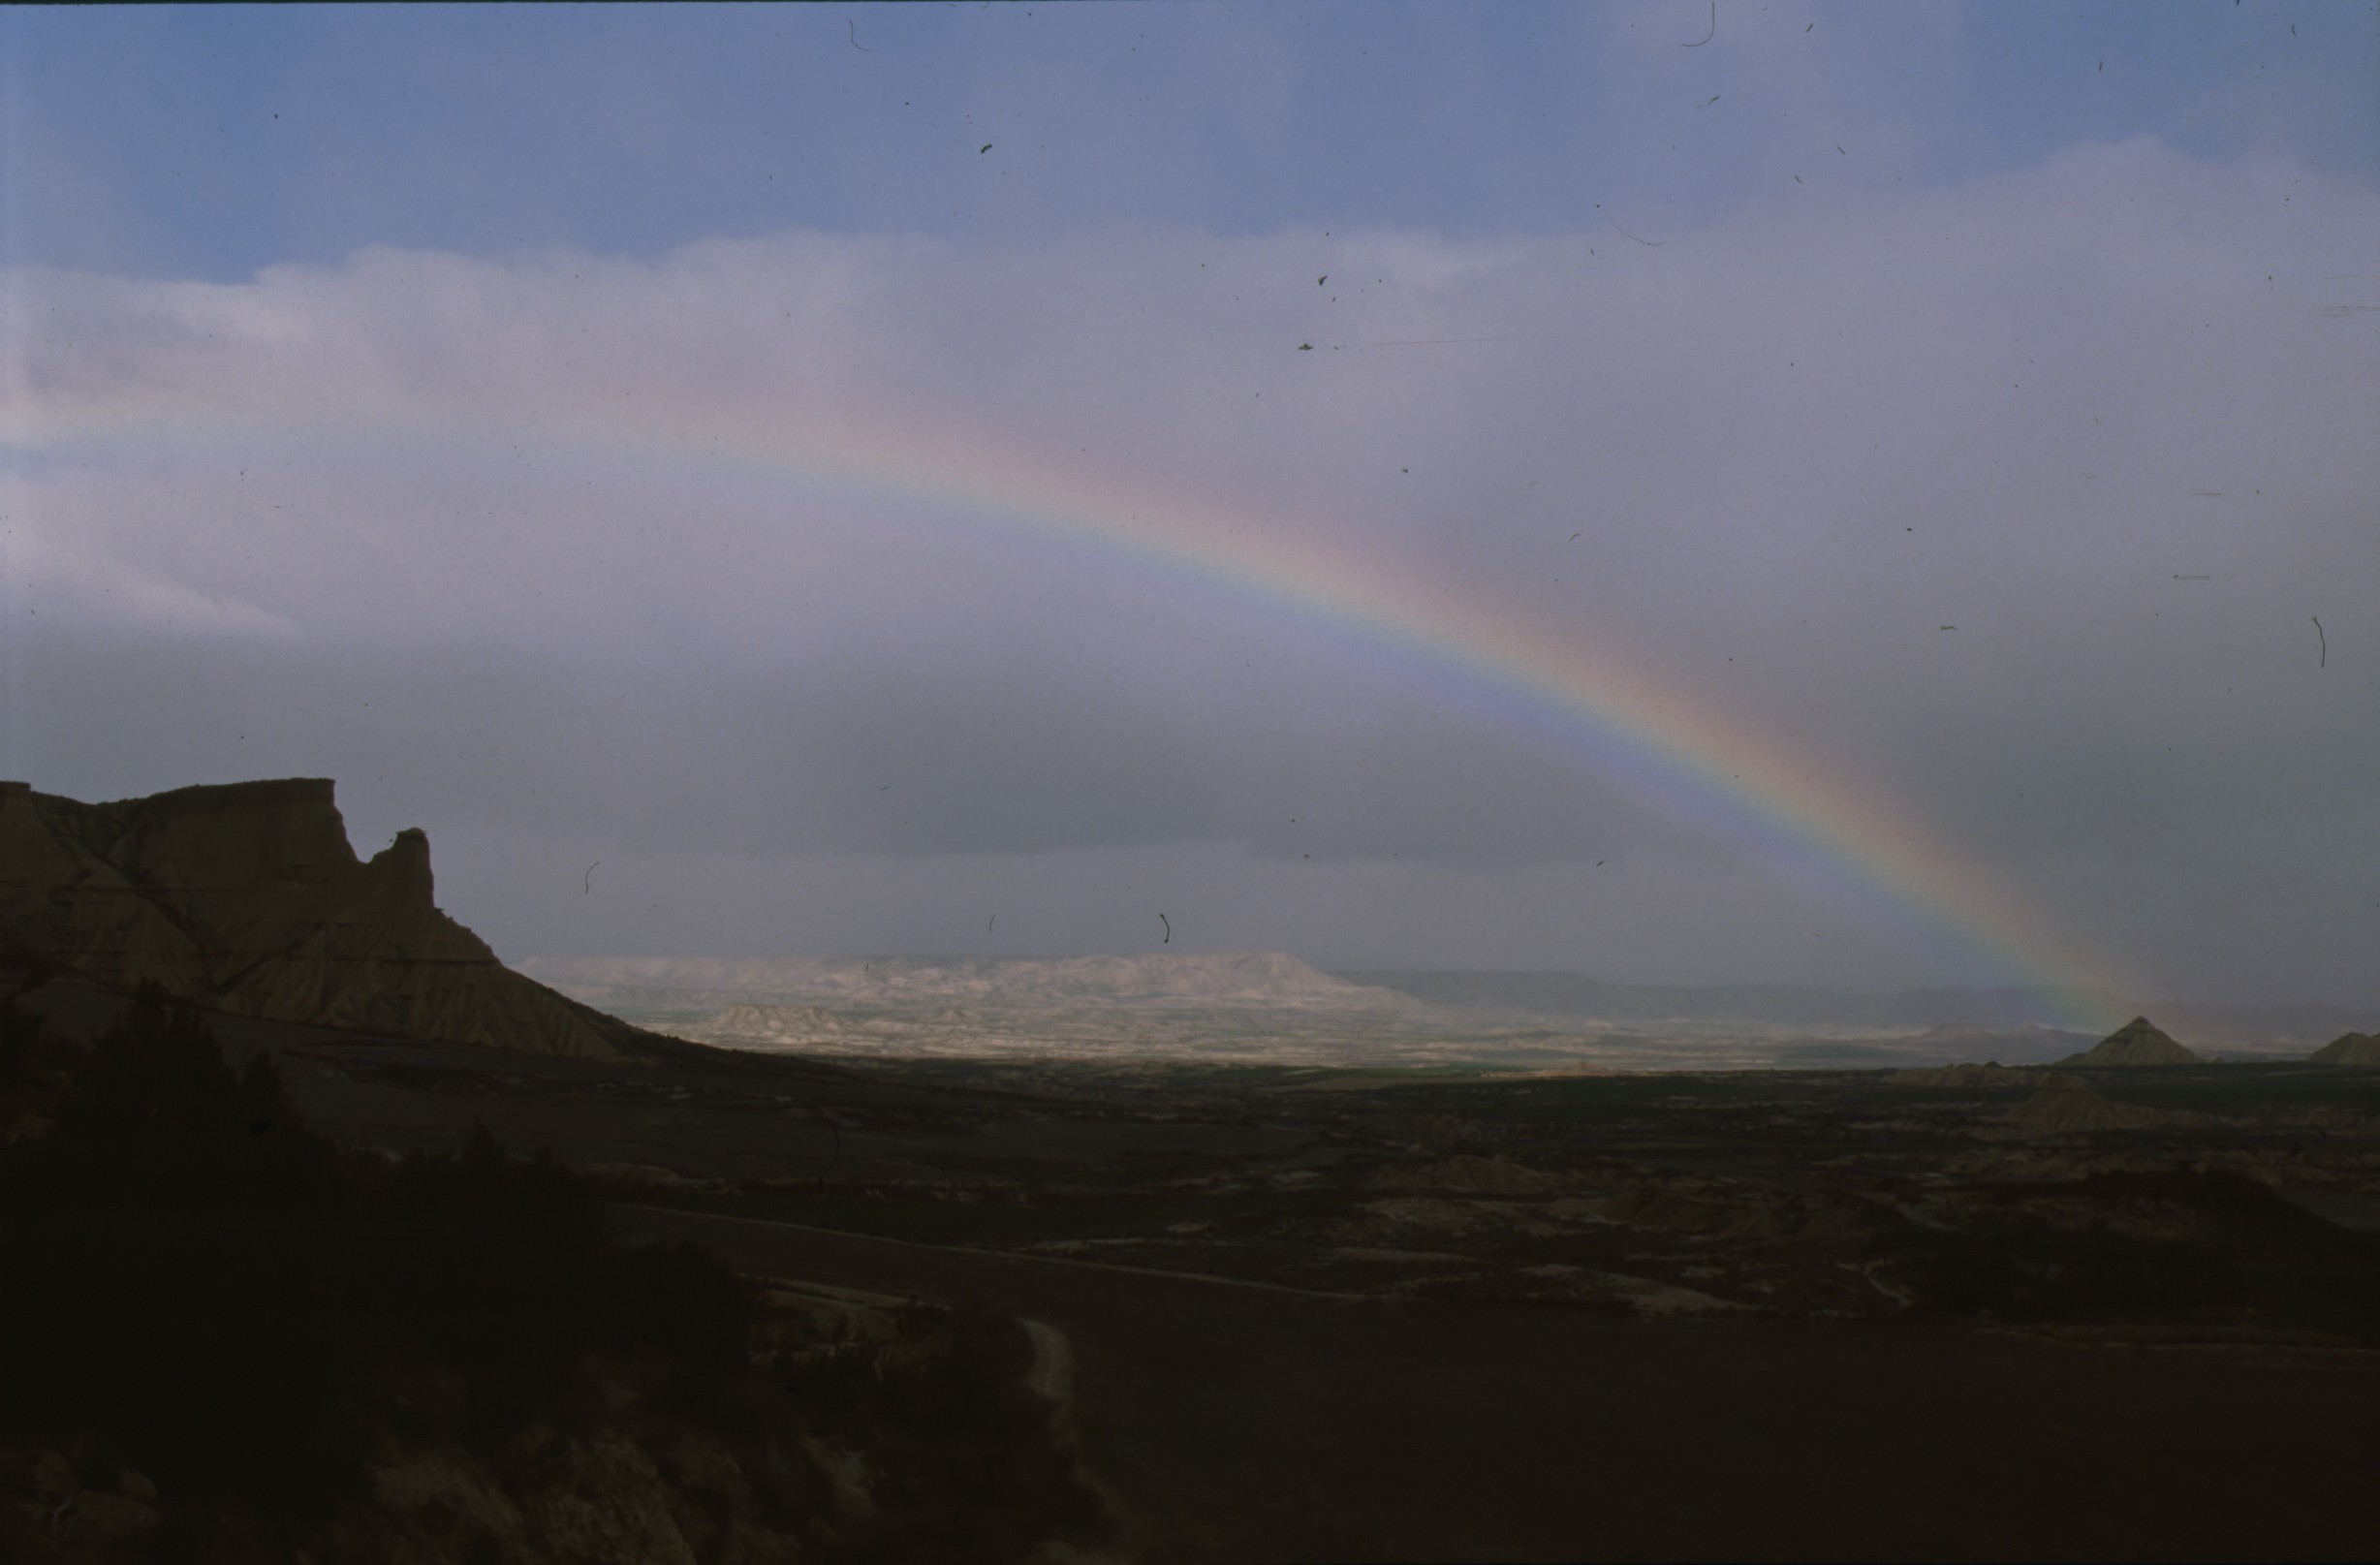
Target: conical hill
{"points": [[2136, 1042], [2350, 1048]]}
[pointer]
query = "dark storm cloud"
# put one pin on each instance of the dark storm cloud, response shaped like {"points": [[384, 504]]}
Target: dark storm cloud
{"points": [[2014, 501], [909, 758]]}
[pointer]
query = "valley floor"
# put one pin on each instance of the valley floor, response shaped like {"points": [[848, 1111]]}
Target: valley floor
{"points": [[1254, 1423], [1401, 1314]]}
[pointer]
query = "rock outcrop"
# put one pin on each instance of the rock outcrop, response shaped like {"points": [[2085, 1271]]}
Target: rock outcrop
{"points": [[2136, 1042], [2350, 1048], [2066, 1106], [246, 898]]}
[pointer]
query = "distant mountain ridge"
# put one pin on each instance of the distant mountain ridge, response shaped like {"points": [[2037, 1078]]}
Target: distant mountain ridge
{"points": [[1273, 978], [1563, 993], [1569, 996], [2009, 1023], [247, 898], [1260, 980]]}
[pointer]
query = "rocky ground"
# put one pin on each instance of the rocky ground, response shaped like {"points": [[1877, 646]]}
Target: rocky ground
{"points": [[1248, 1421], [649, 1483], [2233, 1207], [2227, 1206], [225, 1337], [1317, 1312]]}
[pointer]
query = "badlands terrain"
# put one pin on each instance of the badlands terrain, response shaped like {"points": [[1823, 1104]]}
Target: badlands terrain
{"points": [[1364, 1313], [1310, 1266], [1272, 1009]]}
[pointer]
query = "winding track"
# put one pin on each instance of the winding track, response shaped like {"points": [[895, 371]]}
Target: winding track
{"points": [[1247, 1423]]}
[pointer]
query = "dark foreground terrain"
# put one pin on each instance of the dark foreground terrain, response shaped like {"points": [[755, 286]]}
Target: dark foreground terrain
{"points": [[1250, 1423], [225, 1338], [1318, 1314]]}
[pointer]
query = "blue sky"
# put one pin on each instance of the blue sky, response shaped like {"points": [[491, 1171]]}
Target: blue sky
{"points": [[210, 142], [380, 391]]}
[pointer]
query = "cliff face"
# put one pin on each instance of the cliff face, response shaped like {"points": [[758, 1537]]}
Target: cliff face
{"points": [[247, 898]]}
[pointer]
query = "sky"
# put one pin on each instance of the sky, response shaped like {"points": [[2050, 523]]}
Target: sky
{"points": [[1858, 495]]}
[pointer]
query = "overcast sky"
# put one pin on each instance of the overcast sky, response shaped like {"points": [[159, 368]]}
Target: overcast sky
{"points": [[445, 401]]}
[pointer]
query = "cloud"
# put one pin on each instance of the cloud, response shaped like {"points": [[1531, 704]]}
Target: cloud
{"points": [[541, 502]]}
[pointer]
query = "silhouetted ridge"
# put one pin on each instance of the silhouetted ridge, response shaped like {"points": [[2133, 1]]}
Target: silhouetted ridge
{"points": [[246, 898]]}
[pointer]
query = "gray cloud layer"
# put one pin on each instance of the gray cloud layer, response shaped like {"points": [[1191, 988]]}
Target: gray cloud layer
{"points": [[2109, 417]]}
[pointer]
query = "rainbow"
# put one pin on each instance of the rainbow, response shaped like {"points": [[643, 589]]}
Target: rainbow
{"points": [[1612, 715]]}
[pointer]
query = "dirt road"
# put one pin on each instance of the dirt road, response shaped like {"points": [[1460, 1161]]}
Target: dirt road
{"points": [[1252, 1423]]}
